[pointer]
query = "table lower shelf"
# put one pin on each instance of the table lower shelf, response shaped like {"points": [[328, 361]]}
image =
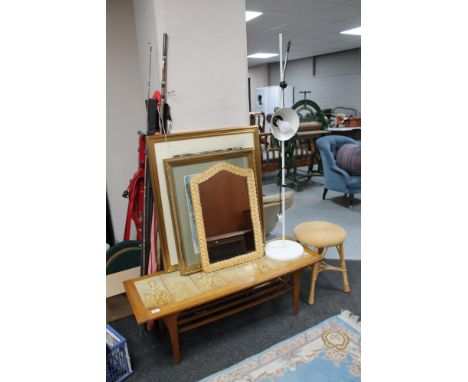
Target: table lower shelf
{"points": [[232, 304], [204, 314]]}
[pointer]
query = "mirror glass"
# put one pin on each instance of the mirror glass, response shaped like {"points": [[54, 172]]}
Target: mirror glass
{"points": [[227, 218], [226, 214]]}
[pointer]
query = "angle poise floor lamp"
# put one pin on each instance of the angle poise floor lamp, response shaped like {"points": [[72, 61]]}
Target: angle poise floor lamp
{"points": [[284, 125]]}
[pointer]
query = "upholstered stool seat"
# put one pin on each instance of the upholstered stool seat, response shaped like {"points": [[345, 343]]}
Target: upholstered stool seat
{"points": [[323, 235]]}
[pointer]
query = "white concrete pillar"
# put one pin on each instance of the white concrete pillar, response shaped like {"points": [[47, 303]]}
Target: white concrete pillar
{"points": [[207, 59]]}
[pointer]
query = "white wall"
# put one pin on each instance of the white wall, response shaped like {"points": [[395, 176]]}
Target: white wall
{"points": [[125, 109], [337, 80], [207, 62], [146, 33], [258, 79]]}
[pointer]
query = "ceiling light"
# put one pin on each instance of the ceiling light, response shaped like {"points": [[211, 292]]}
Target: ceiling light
{"points": [[354, 31], [262, 55], [249, 15]]}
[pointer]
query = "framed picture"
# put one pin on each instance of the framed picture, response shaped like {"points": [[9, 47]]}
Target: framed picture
{"points": [[183, 145], [179, 172]]}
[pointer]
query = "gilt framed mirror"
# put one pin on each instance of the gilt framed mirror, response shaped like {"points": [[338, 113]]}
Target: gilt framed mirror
{"points": [[227, 216]]}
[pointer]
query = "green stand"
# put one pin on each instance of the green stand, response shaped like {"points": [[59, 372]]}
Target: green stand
{"points": [[297, 178]]}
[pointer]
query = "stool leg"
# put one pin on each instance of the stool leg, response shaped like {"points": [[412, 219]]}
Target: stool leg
{"points": [[315, 272], [343, 269]]}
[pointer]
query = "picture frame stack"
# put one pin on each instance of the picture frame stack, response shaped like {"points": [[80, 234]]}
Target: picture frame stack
{"points": [[173, 160]]}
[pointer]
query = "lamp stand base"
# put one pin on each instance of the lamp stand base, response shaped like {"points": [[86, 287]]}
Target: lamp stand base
{"points": [[283, 250]]}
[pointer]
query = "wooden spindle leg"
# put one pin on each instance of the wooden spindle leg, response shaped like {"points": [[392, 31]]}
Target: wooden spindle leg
{"points": [[171, 324], [346, 288], [315, 271]]}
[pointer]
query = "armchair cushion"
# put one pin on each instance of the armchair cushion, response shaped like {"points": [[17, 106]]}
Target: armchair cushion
{"points": [[288, 196], [335, 178], [348, 158]]}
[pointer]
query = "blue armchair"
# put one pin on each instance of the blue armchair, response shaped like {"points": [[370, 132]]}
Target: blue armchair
{"points": [[336, 179]]}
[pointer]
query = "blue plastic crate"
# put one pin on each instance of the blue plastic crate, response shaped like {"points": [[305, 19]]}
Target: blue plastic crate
{"points": [[118, 365]]}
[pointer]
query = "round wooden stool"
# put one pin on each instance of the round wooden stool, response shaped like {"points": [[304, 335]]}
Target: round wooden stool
{"points": [[323, 235]]}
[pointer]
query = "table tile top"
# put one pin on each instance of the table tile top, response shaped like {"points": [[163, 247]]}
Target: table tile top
{"points": [[157, 295]]}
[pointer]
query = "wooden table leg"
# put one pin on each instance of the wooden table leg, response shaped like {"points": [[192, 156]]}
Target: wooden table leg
{"points": [[296, 288], [171, 324]]}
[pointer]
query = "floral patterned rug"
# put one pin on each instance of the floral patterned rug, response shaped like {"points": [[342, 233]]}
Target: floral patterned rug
{"points": [[327, 352]]}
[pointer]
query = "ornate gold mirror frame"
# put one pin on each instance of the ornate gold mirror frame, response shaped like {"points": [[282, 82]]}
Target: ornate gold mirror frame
{"points": [[248, 173]]}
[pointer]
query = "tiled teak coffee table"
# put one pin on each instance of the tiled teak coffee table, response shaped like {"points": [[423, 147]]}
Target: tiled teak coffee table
{"points": [[187, 302]]}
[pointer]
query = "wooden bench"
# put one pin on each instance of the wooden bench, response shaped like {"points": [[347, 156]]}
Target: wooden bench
{"points": [[188, 302]]}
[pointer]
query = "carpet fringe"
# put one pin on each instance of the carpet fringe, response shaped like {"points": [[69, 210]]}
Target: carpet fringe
{"points": [[351, 319]]}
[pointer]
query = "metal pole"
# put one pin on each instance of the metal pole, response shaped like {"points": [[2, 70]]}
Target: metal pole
{"points": [[281, 68], [149, 82], [283, 204], [283, 181]]}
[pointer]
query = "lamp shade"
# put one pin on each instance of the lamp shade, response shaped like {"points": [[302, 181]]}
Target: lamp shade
{"points": [[284, 124]]}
